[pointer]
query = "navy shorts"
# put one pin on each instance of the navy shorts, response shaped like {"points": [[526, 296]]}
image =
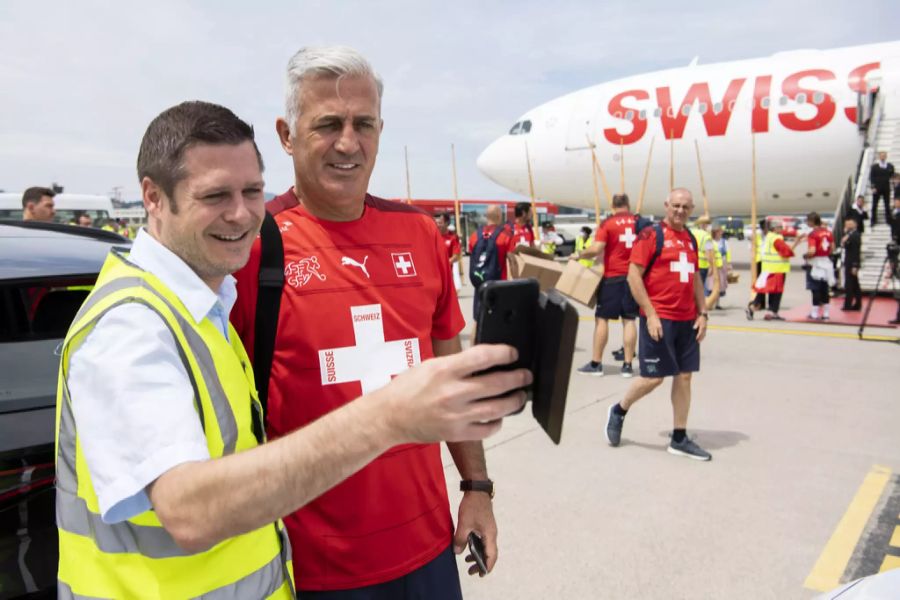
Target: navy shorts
{"points": [[437, 580], [678, 351], [614, 300]]}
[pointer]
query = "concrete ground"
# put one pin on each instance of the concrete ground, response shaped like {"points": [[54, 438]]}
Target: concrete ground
{"points": [[795, 416]]}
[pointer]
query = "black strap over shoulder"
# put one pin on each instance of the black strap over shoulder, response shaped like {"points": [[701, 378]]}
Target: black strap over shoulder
{"points": [[268, 304]]}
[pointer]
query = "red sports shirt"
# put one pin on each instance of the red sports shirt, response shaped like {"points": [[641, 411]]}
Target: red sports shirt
{"points": [[451, 242], [618, 232], [670, 281], [362, 301], [821, 241], [521, 235], [504, 240]]}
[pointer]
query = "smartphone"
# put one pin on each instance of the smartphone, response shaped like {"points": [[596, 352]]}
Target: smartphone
{"points": [[476, 551], [509, 313]]}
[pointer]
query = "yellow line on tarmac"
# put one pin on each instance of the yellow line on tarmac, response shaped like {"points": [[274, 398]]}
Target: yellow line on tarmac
{"points": [[826, 574], [830, 334]]}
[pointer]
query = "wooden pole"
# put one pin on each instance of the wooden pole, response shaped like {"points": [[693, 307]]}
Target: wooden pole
{"points": [[459, 231], [408, 188], [640, 202], [713, 269], [594, 178], [671, 160], [754, 243], [602, 180], [621, 165], [702, 181], [534, 215]]}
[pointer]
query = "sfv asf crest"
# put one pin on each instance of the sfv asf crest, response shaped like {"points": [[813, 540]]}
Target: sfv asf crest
{"points": [[299, 272]]}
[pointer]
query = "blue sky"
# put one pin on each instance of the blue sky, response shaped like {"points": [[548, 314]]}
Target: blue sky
{"points": [[81, 80]]}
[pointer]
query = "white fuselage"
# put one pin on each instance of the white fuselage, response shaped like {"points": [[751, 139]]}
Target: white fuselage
{"points": [[800, 107]]}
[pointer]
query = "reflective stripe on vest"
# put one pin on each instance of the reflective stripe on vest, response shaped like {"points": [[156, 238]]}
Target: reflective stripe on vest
{"points": [[772, 262], [138, 557]]}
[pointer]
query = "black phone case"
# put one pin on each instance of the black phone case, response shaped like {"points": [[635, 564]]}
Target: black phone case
{"points": [[509, 315], [557, 327]]}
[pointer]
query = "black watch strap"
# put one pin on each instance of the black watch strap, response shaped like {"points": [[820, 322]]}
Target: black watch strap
{"points": [[477, 485]]}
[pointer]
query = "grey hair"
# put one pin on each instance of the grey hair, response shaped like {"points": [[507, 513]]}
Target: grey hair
{"points": [[327, 61]]}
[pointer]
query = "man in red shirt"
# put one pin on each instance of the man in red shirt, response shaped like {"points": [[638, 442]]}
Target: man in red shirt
{"points": [[502, 243], [673, 320], [614, 241], [454, 250], [820, 275], [367, 295], [522, 231]]}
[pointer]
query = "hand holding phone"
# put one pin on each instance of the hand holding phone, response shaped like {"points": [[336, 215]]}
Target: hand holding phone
{"points": [[476, 555]]}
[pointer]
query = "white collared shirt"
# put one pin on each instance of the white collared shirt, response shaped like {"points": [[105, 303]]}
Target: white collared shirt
{"points": [[132, 399]]}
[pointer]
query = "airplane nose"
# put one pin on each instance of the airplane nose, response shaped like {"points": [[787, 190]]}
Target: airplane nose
{"points": [[503, 162]]}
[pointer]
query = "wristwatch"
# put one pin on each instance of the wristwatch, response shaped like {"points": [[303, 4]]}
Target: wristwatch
{"points": [[477, 485]]}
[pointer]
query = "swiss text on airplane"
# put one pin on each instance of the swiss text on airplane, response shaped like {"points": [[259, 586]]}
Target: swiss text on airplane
{"points": [[673, 118]]}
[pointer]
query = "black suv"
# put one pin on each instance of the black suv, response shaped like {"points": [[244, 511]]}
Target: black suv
{"points": [[46, 271]]}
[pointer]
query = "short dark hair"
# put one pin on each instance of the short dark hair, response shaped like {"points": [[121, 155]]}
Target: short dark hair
{"points": [[522, 209], [586, 231], [34, 194], [175, 130], [443, 216], [620, 200], [815, 218]]}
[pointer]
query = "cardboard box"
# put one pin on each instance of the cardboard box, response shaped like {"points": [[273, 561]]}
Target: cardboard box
{"points": [[547, 272], [515, 260], [580, 283]]}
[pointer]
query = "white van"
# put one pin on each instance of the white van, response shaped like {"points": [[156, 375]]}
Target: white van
{"points": [[100, 208]]}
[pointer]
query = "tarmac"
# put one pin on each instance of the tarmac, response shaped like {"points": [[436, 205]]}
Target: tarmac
{"points": [[803, 492]]}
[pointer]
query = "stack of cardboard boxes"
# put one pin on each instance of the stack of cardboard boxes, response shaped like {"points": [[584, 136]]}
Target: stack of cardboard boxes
{"points": [[573, 279]]}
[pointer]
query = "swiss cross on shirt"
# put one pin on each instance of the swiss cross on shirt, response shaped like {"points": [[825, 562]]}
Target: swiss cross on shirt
{"points": [[628, 237], [682, 266], [403, 264]]}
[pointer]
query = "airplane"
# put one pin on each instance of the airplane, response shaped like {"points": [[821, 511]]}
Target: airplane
{"points": [[800, 106]]}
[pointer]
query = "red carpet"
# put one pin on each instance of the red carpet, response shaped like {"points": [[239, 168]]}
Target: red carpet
{"points": [[883, 310]]}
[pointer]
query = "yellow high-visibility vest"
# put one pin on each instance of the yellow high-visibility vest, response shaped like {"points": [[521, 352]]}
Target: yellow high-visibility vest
{"points": [[703, 237], [582, 244], [772, 262], [138, 558]]}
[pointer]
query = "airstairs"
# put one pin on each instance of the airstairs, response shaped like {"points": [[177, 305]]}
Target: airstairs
{"points": [[879, 117]]}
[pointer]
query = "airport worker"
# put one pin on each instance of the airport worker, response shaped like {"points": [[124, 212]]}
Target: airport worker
{"points": [[451, 243], [549, 239], [522, 231], [165, 485], [583, 242], [706, 246], [776, 256], [851, 243], [759, 301], [723, 262], [859, 214], [368, 294], [613, 242], [672, 323], [83, 219], [820, 273], [37, 204], [880, 176]]}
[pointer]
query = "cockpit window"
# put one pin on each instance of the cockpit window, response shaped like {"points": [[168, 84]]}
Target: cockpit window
{"points": [[520, 128]]}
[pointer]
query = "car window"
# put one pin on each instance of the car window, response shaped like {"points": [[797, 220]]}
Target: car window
{"points": [[40, 310]]}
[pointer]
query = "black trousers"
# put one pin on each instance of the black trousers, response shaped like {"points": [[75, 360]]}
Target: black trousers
{"points": [[852, 291], [820, 296], [775, 302], [885, 195]]}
